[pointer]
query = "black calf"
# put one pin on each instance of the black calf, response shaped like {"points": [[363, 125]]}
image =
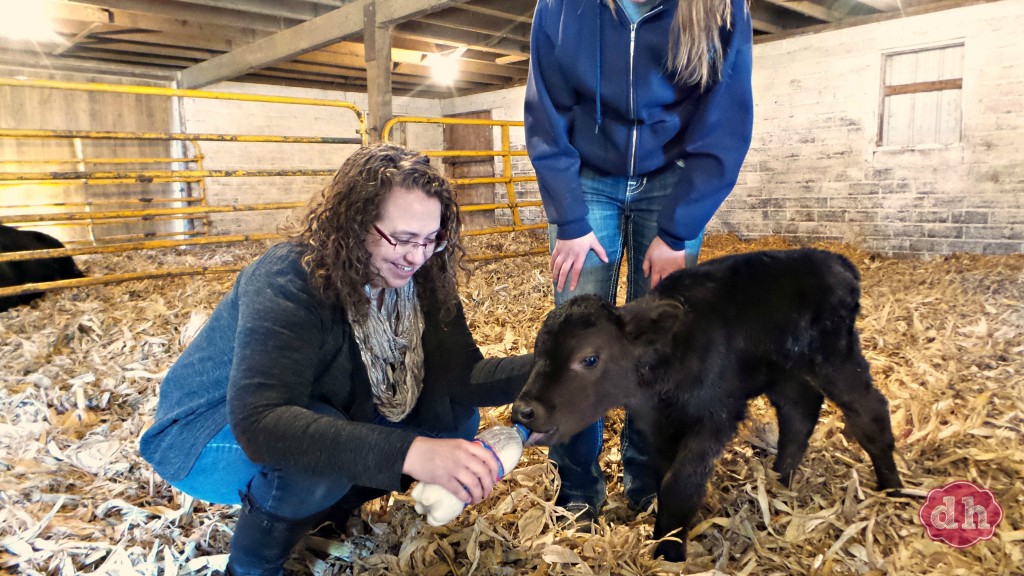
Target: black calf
{"points": [[31, 271], [686, 359]]}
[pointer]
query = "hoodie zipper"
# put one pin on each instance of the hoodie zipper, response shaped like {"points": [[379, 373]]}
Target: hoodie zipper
{"points": [[632, 88]]}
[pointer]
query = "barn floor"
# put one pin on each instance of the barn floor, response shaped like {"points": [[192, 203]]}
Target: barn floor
{"points": [[945, 337]]}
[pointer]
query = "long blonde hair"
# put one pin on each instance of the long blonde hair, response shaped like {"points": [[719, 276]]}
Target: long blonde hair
{"points": [[695, 47]]}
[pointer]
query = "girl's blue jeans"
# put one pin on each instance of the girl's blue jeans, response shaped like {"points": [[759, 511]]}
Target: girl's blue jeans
{"points": [[223, 472], [624, 215]]}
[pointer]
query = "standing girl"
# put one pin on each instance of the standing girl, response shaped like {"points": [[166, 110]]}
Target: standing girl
{"points": [[638, 117]]}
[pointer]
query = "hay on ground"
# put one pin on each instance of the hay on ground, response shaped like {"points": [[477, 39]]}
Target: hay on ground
{"points": [[945, 338]]}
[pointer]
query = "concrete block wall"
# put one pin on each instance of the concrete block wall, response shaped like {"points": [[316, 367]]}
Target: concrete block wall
{"points": [[815, 172], [521, 166], [231, 117]]}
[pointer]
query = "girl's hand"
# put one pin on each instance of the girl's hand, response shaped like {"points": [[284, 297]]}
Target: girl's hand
{"points": [[568, 256], [464, 468], [661, 260]]}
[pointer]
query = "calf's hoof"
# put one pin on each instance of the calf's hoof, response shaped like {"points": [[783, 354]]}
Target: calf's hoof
{"points": [[894, 491], [785, 478], [671, 550], [890, 481]]}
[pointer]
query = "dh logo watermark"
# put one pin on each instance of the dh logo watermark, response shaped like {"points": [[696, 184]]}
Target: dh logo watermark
{"points": [[960, 514]]}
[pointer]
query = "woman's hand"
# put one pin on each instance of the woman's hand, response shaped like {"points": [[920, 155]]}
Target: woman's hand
{"points": [[568, 256], [464, 468], [661, 260]]}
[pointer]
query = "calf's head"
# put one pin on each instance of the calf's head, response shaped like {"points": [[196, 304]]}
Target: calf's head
{"points": [[589, 358]]}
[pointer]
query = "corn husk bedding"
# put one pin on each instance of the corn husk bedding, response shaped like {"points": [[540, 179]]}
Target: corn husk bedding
{"points": [[80, 371]]}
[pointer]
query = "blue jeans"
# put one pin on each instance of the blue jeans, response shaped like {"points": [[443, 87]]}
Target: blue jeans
{"points": [[223, 472], [623, 211]]}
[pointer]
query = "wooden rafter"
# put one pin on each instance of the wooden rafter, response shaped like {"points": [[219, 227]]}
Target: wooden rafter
{"points": [[320, 42]]}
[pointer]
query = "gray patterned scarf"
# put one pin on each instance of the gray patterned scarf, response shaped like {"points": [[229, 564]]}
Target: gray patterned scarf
{"points": [[390, 343]]}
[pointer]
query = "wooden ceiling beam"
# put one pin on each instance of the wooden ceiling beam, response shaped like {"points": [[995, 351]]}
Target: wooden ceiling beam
{"points": [[347, 54], [403, 56], [921, 7], [289, 9], [407, 83], [330, 28], [302, 81], [169, 9], [211, 43], [151, 59], [70, 63], [463, 73], [430, 46], [332, 71], [331, 3], [881, 5], [472, 40], [177, 26], [357, 67], [772, 19], [352, 50], [521, 11], [77, 38], [191, 54], [489, 25], [296, 40], [811, 9]]}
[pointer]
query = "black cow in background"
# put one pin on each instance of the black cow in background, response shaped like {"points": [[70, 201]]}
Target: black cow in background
{"points": [[31, 271], [686, 359]]}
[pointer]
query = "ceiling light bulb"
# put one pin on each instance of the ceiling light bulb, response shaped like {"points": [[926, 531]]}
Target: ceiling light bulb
{"points": [[443, 68]]}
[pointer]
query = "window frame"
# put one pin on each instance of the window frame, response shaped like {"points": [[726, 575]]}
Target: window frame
{"points": [[886, 91]]}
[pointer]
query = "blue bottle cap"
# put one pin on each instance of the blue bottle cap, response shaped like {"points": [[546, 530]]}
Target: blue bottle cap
{"points": [[523, 431]]}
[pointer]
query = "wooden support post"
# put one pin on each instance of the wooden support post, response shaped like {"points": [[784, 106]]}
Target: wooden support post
{"points": [[377, 43]]}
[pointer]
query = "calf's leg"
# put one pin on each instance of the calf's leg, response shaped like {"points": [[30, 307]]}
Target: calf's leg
{"points": [[797, 407], [684, 485], [866, 411]]}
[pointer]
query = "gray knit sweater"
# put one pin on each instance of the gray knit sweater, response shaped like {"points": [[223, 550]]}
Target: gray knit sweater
{"points": [[272, 346]]}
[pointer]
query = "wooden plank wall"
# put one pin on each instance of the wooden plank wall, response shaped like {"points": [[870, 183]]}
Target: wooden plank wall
{"points": [[51, 109]]}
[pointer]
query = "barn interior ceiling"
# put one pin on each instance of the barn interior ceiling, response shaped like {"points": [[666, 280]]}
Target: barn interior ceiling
{"points": [[320, 43]]}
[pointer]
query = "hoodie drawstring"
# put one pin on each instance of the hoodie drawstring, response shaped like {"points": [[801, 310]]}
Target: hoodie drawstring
{"points": [[597, 119]]}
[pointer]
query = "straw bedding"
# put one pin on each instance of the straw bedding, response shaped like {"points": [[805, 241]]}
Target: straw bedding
{"points": [[945, 338]]}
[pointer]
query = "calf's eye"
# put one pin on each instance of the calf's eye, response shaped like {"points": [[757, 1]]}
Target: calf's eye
{"points": [[589, 362]]}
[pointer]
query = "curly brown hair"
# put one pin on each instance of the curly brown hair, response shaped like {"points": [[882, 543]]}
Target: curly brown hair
{"points": [[334, 229]]}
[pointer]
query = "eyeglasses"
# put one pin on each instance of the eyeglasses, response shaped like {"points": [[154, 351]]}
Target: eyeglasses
{"points": [[406, 246]]}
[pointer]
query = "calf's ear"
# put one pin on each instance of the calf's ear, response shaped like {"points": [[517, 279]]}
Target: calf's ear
{"points": [[651, 320], [649, 328]]}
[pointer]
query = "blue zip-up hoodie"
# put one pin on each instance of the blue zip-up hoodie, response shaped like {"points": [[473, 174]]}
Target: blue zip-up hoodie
{"points": [[643, 121]]}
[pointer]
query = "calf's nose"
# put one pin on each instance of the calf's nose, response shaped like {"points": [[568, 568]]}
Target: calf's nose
{"points": [[523, 413]]}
